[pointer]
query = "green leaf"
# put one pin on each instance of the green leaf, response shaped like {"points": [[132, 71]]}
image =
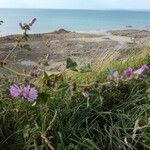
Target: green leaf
{"points": [[38, 82], [71, 64], [43, 98], [65, 89], [95, 96], [44, 63], [86, 68], [148, 90], [26, 131], [148, 93], [51, 73], [27, 47], [46, 77]]}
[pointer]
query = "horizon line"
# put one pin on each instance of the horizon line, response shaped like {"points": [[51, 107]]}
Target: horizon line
{"points": [[110, 9]]}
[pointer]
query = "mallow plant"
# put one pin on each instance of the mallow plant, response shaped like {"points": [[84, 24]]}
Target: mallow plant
{"points": [[31, 92], [46, 110]]}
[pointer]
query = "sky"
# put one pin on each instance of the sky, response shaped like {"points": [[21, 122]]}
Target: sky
{"points": [[77, 4]]}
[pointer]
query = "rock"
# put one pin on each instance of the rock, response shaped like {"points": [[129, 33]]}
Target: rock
{"points": [[61, 31], [1, 22], [129, 26]]}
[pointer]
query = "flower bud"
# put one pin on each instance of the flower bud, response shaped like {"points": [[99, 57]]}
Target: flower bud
{"points": [[32, 22], [21, 25], [128, 72]]}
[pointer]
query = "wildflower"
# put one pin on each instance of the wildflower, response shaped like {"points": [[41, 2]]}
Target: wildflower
{"points": [[141, 70], [145, 67], [32, 22], [86, 93], [128, 72], [21, 25], [114, 74], [30, 93], [15, 90]]}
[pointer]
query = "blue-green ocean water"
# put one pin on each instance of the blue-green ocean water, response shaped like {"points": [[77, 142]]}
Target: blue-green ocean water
{"points": [[74, 20]]}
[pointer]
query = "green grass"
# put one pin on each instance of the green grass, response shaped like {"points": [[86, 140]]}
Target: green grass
{"points": [[63, 120]]}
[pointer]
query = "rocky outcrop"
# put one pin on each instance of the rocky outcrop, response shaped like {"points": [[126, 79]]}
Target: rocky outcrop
{"points": [[61, 31]]}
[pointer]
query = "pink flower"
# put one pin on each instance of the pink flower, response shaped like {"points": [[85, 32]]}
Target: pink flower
{"points": [[141, 70], [15, 90], [128, 72], [30, 93], [115, 74], [145, 67]]}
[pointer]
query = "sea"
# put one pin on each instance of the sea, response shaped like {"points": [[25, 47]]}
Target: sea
{"points": [[74, 20]]}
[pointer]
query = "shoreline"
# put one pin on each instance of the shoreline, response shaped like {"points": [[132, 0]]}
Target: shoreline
{"points": [[83, 47], [102, 31]]}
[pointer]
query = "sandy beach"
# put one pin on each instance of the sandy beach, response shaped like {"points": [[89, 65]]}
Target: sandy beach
{"points": [[83, 47]]}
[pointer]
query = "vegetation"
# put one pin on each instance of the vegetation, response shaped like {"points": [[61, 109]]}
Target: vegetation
{"points": [[79, 108]]}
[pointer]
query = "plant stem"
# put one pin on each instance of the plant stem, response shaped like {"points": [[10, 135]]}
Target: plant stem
{"points": [[91, 84], [10, 52], [15, 72]]}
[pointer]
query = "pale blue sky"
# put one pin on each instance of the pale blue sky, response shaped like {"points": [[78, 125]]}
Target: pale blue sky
{"points": [[77, 4]]}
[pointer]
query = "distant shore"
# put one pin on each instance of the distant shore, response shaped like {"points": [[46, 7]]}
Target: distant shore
{"points": [[84, 47], [103, 31]]}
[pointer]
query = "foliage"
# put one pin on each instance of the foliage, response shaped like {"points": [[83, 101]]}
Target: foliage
{"points": [[97, 114], [71, 64], [27, 47]]}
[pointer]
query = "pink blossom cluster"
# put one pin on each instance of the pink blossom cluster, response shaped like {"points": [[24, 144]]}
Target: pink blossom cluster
{"points": [[28, 92], [130, 72]]}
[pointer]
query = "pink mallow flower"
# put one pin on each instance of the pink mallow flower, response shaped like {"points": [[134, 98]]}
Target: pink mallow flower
{"points": [[115, 74], [128, 72], [141, 70], [15, 90], [30, 93]]}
